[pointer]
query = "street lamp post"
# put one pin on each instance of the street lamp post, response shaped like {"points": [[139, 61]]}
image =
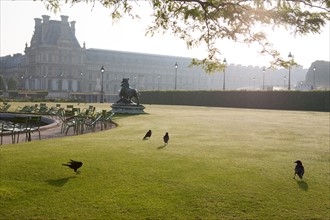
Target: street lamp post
{"points": [[263, 78], [176, 75], [81, 81], [22, 81], [102, 92], [224, 74], [59, 82], [158, 81], [289, 83], [45, 81], [314, 69]]}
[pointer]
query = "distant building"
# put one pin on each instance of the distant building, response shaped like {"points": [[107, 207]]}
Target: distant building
{"points": [[318, 75], [55, 61]]}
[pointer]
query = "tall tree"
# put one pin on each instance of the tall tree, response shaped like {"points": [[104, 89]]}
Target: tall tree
{"points": [[12, 83], [2, 83], [207, 21]]}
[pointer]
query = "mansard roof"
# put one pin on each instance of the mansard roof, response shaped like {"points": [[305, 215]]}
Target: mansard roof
{"points": [[53, 32]]}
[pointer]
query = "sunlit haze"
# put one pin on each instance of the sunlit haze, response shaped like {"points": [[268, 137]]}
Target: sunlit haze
{"points": [[94, 26]]}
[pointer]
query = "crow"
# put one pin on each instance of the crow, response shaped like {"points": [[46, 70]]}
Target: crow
{"points": [[299, 169], [75, 165], [148, 135], [166, 138]]}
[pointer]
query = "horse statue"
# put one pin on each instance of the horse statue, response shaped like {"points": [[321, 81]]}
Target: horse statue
{"points": [[126, 93]]}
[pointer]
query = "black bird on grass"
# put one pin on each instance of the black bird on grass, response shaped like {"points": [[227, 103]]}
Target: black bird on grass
{"points": [[299, 170], [75, 165], [148, 135], [166, 138]]}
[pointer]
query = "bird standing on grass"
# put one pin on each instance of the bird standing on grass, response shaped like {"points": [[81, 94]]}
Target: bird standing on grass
{"points": [[299, 170], [148, 135], [75, 165], [166, 138]]}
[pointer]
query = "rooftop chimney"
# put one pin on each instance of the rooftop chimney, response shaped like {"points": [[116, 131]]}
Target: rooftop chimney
{"points": [[64, 18], [73, 27], [37, 22], [45, 19]]}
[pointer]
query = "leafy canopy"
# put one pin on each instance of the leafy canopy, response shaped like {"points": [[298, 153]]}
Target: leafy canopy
{"points": [[207, 21]]}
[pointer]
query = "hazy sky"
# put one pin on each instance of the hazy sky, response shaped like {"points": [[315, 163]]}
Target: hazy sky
{"points": [[95, 27]]}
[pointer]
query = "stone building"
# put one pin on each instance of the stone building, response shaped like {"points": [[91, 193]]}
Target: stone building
{"points": [[55, 61]]}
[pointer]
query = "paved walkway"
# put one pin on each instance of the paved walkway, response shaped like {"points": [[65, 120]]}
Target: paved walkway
{"points": [[53, 131]]}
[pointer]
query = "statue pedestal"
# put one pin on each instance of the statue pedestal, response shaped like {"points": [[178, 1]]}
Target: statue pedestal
{"points": [[127, 108]]}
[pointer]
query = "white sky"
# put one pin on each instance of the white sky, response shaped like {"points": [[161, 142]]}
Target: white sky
{"points": [[96, 28]]}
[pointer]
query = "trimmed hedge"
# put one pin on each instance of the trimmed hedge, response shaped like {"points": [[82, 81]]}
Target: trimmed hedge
{"points": [[27, 94], [279, 100]]}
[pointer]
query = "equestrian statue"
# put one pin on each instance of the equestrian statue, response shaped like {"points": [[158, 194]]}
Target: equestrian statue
{"points": [[127, 93]]}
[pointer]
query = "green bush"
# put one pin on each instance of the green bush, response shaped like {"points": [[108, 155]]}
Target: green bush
{"points": [[280, 100]]}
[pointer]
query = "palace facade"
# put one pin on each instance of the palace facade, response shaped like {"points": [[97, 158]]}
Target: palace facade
{"points": [[57, 62]]}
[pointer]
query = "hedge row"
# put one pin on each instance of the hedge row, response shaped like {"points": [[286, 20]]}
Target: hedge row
{"points": [[27, 93], [279, 100]]}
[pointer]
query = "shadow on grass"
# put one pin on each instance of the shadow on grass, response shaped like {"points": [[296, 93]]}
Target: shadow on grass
{"points": [[59, 182], [302, 185], [123, 115], [161, 147]]}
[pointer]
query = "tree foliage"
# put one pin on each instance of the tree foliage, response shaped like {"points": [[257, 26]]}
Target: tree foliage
{"points": [[2, 83], [208, 21], [12, 83]]}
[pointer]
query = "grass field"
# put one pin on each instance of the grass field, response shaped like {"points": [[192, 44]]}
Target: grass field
{"points": [[220, 163]]}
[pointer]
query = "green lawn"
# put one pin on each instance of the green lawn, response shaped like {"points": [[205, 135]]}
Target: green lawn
{"points": [[220, 163]]}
